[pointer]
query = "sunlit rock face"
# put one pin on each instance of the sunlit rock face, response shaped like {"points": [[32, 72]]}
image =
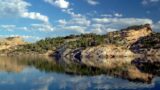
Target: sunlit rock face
{"points": [[11, 42], [106, 51], [133, 33]]}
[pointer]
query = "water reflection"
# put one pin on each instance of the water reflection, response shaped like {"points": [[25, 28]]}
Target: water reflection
{"points": [[40, 73]]}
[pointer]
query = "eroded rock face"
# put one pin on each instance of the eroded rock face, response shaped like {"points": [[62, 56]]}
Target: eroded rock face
{"points": [[148, 45], [132, 34], [129, 35], [11, 42]]}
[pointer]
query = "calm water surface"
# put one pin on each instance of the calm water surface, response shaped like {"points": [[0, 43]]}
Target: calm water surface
{"points": [[37, 73]]}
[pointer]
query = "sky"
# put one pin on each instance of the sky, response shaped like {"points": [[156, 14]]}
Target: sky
{"points": [[37, 19]]}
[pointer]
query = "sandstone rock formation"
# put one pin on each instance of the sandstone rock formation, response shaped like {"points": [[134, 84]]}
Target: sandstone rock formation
{"points": [[131, 34], [11, 42], [107, 51]]}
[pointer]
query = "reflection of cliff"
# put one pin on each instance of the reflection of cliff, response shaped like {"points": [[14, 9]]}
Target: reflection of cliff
{"points": [[120, 67], [10, 65], [149, 65], [18, 64], [138, 70]]}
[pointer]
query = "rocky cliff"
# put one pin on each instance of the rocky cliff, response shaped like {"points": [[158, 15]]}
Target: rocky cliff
{"points": [[131, 34], [124, 43]]}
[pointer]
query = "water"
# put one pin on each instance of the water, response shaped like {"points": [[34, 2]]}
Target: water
{"points": [[37, 73]]}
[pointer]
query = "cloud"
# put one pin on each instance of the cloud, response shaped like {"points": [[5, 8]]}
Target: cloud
{"points": [[118, 15], [73, 14], [13, 7], [101, 28], [36, 16], [146, 2], [109, 22], [59, 3], [7, 27], [123, 21], [81, 21], [77, 29], [107, 15], [112, 15], [156, 26], [92, 2], [62, 22], [78, 22], [42, 27], [19, 8]]}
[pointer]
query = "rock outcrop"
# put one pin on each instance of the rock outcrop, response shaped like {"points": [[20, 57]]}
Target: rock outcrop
{"points": [[148, 45], [11, 42], [131, 34], [132, 37], [107, 51]]}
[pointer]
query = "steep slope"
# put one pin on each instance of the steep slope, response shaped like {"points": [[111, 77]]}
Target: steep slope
{"points": [[129, 35], [149, 45]]}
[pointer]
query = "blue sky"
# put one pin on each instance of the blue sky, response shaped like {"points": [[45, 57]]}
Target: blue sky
{"points": [[37, 19]]}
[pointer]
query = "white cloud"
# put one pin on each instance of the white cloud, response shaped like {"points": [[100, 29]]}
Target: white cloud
{"points": [[78, 23], [7, 27], [123, 21], [107, 15], [112, 15], [59, 3], [36, 16], [19, 8], [78, 29], [156, 26], [101, 28], [92, 2], [13, 7], [118, 15], [42, 27], [62, 22], [70, 12], [45, 27], [154, 0], [146, 2], [81, 21], [101, 20]]}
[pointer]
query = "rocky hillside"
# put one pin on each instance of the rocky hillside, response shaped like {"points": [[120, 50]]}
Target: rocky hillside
{"points": [[131, 41], [11, 42]]}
